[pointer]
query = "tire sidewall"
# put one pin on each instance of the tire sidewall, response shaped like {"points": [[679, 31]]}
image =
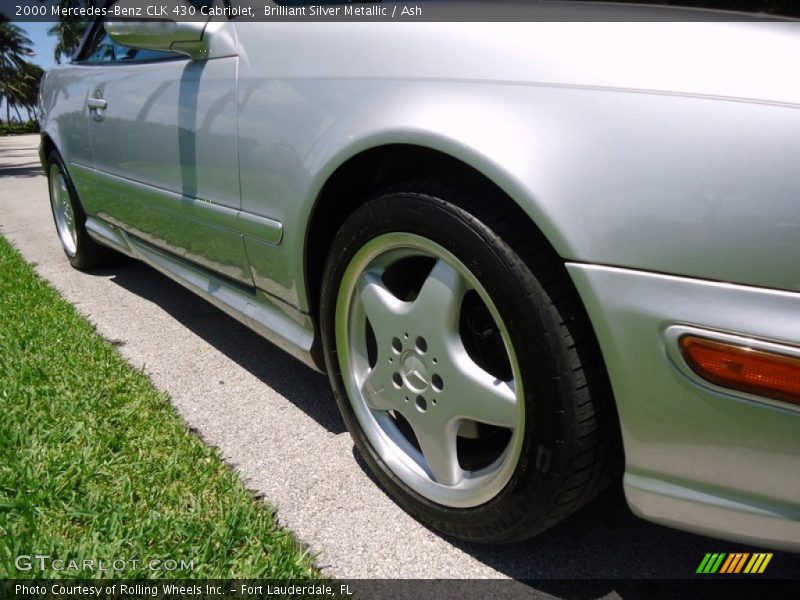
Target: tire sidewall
{"points": [[532, 325]]}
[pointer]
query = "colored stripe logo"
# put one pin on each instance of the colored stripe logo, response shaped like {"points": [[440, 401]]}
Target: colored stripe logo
{"points": [[734, 563]]}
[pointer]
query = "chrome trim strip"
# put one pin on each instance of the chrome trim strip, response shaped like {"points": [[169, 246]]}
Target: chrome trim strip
{"points": [[257, 226]]}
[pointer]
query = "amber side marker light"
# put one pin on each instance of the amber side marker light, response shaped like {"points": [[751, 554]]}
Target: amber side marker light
{"points": [[741, 368]]}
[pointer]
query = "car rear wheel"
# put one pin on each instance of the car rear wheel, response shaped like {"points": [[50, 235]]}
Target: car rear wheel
{"points": [[70, 220], [455, 370]]}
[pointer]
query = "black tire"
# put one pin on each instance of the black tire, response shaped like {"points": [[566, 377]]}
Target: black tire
{"points": [[571, 444], [87, 254]]}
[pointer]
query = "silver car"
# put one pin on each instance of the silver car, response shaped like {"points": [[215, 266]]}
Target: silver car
{"points": [[534, 259]]}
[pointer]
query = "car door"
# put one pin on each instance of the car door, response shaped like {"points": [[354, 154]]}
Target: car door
{"points": [[164, 140]]}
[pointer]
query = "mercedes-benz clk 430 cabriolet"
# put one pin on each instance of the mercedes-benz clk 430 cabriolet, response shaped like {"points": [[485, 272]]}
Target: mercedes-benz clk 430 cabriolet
{"points": [[534, 259]]}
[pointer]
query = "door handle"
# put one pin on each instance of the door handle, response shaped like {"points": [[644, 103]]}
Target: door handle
{"points": [[96, 103]]}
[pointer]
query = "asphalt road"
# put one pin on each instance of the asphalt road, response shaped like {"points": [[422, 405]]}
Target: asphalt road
{"points": [[275, 421]]}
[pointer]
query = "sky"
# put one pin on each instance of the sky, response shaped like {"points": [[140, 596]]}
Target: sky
{"points": [[42, 43], [43, 46]]}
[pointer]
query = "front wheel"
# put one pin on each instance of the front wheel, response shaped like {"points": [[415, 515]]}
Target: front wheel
{"points": [[455, 370]]}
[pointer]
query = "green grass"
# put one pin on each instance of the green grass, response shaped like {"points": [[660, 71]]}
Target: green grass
{"points": [[95, 464]]}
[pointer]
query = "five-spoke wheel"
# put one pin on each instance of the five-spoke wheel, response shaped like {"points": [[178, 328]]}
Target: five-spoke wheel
{"points": [[447, 422]]}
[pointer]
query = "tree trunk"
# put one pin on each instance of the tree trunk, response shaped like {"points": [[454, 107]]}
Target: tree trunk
{"points": [[5, 86]]}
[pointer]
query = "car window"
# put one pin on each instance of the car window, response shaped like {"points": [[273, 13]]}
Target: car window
{"points": [[102, 49]]}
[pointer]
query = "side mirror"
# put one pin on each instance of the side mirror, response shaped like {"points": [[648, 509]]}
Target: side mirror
{"points": [[158, 32]]}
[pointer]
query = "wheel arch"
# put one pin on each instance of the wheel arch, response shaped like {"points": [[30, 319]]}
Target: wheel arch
{"points": [[367, 172], [46, 147]]}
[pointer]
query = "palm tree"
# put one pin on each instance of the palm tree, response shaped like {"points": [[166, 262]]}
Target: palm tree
{"points": [[69, 31], [15, 48], [28, 97]]}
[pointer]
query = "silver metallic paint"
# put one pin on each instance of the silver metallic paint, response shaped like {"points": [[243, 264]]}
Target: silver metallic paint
{"points": [[705, 445], [662, 158], [652, 147]]}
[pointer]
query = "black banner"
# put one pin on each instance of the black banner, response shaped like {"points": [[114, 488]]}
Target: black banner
{"points": [[406, 10], [397, 589]]}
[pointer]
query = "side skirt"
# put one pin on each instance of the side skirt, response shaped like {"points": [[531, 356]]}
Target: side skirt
{"points": [[281, 324]]}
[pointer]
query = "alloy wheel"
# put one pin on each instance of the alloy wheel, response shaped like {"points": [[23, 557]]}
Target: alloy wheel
{"points": [[62, 210], [430, 370]]}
